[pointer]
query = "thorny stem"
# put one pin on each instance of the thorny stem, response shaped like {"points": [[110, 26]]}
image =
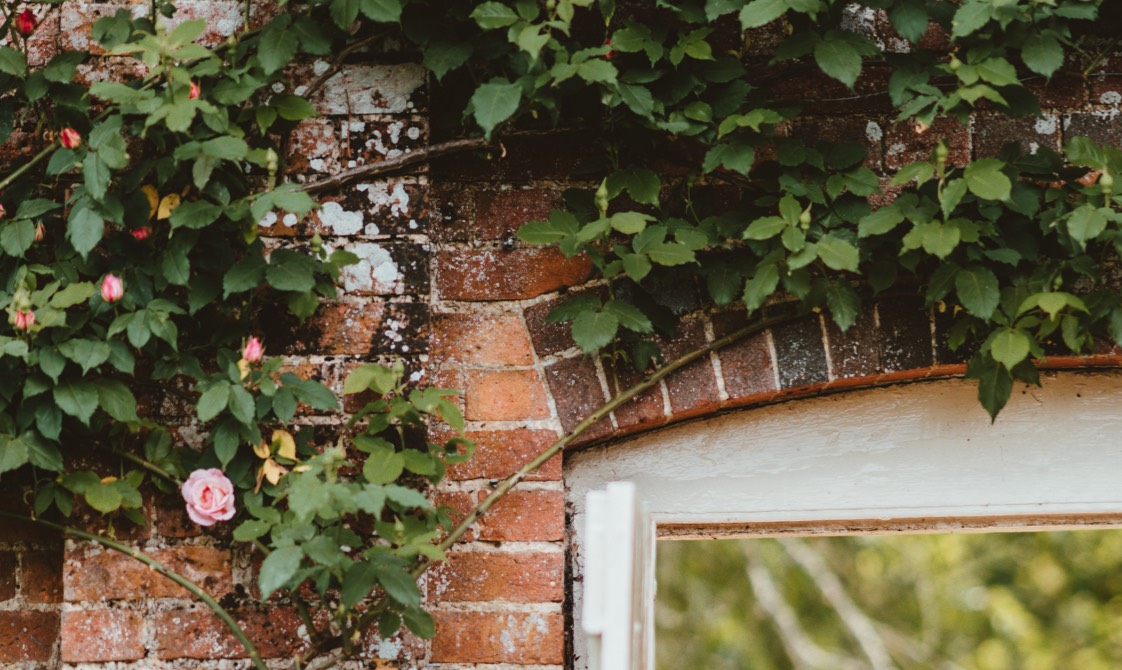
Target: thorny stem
{"points": [[149, 466], [35, 160], [132, 552]]}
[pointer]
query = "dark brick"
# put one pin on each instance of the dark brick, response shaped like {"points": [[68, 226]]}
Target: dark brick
{"points": [[552, 337], [800, 353], [852, 353], [843, 129], [644, 410], [905, 144], [566, 155], [993, 132], [7, 575], [498, 274], [692, 389], [1102, 127], [28, 636], [905, 341], [499, 214], [42, 576]]}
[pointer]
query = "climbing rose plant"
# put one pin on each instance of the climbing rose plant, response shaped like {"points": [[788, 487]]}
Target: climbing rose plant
{"points": [[132, 265]]}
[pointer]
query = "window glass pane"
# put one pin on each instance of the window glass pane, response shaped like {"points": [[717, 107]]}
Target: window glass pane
{"points": [[993, 601]]}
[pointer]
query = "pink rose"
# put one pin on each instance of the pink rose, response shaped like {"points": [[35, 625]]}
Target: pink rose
{"points": [[209, 495], [111, 288], [24, 320], [193, 92], [69, 138], [25, 22], [253, 350]]}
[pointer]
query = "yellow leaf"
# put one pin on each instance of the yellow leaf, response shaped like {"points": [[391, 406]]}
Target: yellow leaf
{"points": [[168, 204], [262, 450], [153, 196], [285, 444], [243, 368], [273, 471], [108, 480]]}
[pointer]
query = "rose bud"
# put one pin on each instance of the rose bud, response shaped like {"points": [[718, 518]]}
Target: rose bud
{"points": [[2, 211], [194, 92], [253, 350], [40, 231], [25, 22], [209, 495], [141, 234], [111, 288], [24, 320], [69, 138]]}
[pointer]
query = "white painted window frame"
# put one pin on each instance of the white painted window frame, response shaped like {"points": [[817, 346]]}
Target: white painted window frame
{"points": [[915, 458]]}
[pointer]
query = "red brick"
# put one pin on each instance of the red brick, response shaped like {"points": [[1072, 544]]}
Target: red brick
{"points": [[200, 634], [102, 635], [460, 505], [577, 393], [645, 410], [42, 577], [481, 339], [518, 274], [524, 516], [7, 575], [692, 389], [111, 575], [499, 637], [476, 576], [347, 327], [904, 144], [499, 214], [505, 395], [27, 636], [499, 453], [551, 337]]}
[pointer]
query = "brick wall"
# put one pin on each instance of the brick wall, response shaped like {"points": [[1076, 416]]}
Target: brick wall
{"points": [[444, 282]]}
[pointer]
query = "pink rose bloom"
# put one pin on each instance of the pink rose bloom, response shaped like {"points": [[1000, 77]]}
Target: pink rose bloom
{"points": [[24, 320], [209, 496], [141, 234], [253, 350], [193, 92], [111, 288], [25, 22]]}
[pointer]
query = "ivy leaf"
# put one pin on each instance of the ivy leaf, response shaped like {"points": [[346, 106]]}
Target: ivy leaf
{"points": [[986, 180], [761, 12], [495, 102], [278, 568], [838, 58], [1009, 347], [838, 254], [978, 291], [1042, 53], [593, 330]]}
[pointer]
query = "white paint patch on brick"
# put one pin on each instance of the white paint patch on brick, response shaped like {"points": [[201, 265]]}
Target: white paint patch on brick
{"points": [[1110, 98], [338, 220], [269, 219], [372, 89], [1045, 125], [873, 131], [376, 270]]}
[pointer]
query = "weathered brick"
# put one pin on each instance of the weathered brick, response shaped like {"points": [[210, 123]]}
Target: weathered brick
{"points": [[525, 516], [905, 337], [1065, 89], [800, 353], [693, 389], [27, 636], [853, 353], [505, 395], [499, 214], [869, 133], [8, 572], [645, 410], [272, 630], [481, 339], [802, 82], [474, 576], [459, 505], [499, 637], [551, 337], [102, 635], [558, 156], [42, 576], [1100, 126], [499, 453], [993, 132], [496, 274], [106, 575], [905, 143], [369, 89], [576, 394], [746, 365]]}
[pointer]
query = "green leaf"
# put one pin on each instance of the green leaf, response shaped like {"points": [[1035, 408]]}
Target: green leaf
{"points": [[29, 209], [986, 180], [85, 227], [87, 353], [1009, 347], [74, 294], [760, 287], [116, 400], [995, 385], [358, 581], [839, 59], [765, 228], [910, 19], [292, 107], [671, 254], [42, 454], [278, 568], [495, 102], [419, 622], [760, 12], [64, 66], [594, 329], [370, 376], [843, 302], [978, 291], [637, 266], [78, 399], [597, 71], [213, 401], [399, 585], [240, 404], [382, 11], [97, 175], [13, 453], [16, 237], [629, 316], [251, 529], [630, 223], [12, 61], [838, 254], [443, 57], [491, 15], [971, 16], [104, 498], [1086, 223], [383, 465], [244, 275], [1042, 53], [290, 271], [278, 45], [882, 221]]}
